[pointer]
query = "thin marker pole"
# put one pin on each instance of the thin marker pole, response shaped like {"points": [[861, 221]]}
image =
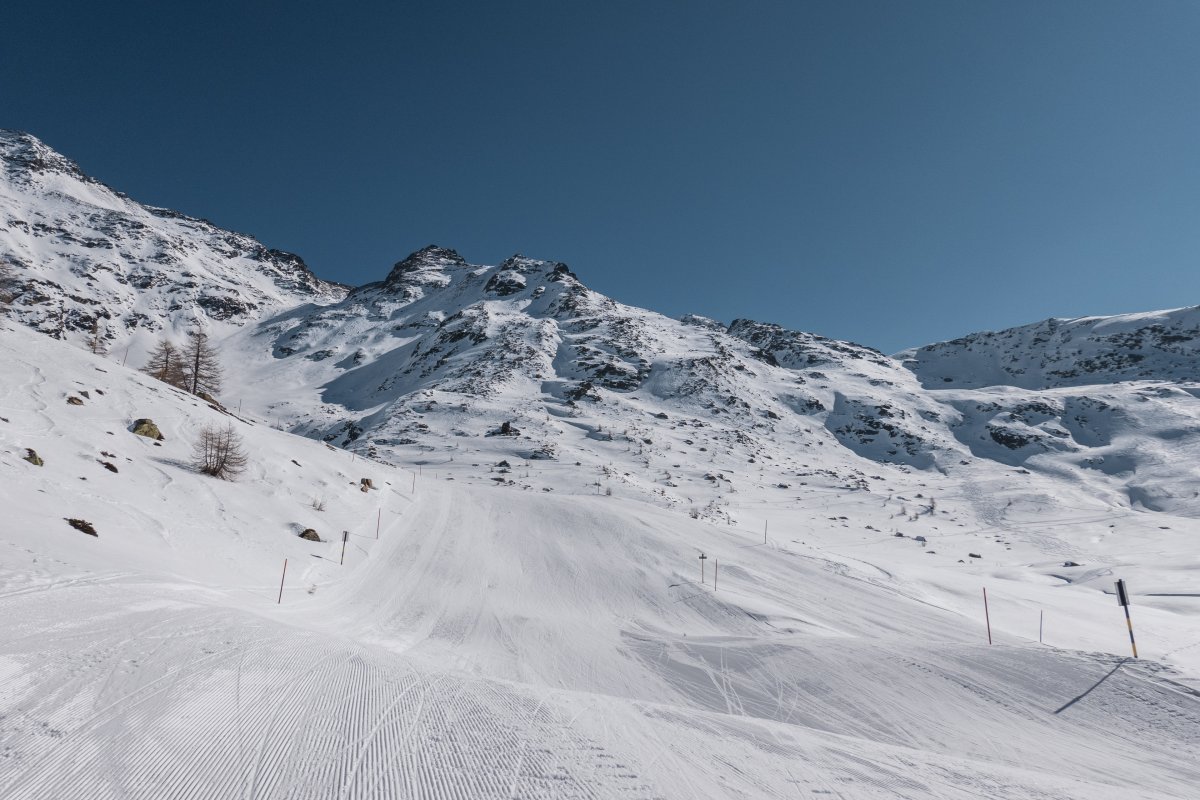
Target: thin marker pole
{"points": [[716, 567], [1123, 599], [126, 354], [1129, 623], [378, 519], [345, 536], [764, 531], [1041, 619], [986, 616], [281, 578]]}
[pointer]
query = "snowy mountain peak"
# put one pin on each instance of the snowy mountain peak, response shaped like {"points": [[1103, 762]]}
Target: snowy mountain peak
{"points": [[88, 257], [25, 155]]}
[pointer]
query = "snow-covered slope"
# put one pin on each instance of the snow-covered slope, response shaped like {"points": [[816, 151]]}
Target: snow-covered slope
{"points": [[1156, 346], [493, 642], [86, 255]]}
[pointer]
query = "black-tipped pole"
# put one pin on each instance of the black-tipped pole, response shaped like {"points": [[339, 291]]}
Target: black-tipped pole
{"points": [[1123, 599]]}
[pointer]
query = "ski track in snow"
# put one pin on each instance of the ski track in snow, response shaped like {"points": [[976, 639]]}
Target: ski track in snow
{"points": [[141, 695]]}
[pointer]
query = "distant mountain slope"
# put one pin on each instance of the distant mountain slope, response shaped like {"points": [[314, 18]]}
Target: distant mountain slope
{"points": [[1158, 345], [86, 254], [522, 360]]}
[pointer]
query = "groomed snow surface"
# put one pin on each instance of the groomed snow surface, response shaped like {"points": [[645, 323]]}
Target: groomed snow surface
{"points": [[494, 642]]}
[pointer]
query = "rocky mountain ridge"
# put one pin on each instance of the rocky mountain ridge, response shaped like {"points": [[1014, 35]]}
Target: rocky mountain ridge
{"points": [[448, 362], [88, 256]]}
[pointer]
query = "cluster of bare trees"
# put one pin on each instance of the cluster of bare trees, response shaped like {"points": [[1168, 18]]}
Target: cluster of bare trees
{"points": [[195, 367]]}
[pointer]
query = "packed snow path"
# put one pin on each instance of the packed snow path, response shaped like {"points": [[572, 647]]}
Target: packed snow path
{"points": [[471, 654]]}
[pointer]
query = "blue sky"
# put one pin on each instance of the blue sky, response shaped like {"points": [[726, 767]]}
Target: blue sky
{"points": [[892, 173]]}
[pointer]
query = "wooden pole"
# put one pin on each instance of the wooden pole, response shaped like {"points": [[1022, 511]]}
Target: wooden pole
{"points": [[1041, 619], [345, 536], [280, 600], [986, 616], [716, 567], [378, 519]]}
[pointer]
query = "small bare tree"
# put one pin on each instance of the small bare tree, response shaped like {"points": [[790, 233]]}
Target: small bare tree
{"points": [[96, 342], [166, 364], [218, 452]]}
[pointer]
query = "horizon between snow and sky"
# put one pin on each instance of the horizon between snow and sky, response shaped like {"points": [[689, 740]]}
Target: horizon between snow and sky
{"points": [[889, 173]]}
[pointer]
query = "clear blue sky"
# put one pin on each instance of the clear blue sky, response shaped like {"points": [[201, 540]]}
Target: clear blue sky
{"points": [[888, 172]]}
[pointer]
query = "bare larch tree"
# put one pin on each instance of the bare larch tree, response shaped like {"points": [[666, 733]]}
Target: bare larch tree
{"points": [[200, 364], [166, 364], [96, 342], [218, 452]]}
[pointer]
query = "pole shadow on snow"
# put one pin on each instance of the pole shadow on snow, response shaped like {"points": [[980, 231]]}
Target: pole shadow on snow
{"points": [[1092, 688]]}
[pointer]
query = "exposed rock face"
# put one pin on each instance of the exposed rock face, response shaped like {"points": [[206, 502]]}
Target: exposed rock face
{"points": [[147, 428], [429, 267], [82, 525], [799, 350]]}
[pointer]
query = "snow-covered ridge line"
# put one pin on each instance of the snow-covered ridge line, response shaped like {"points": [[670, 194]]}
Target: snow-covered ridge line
{"points": [[1155, 345]]}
